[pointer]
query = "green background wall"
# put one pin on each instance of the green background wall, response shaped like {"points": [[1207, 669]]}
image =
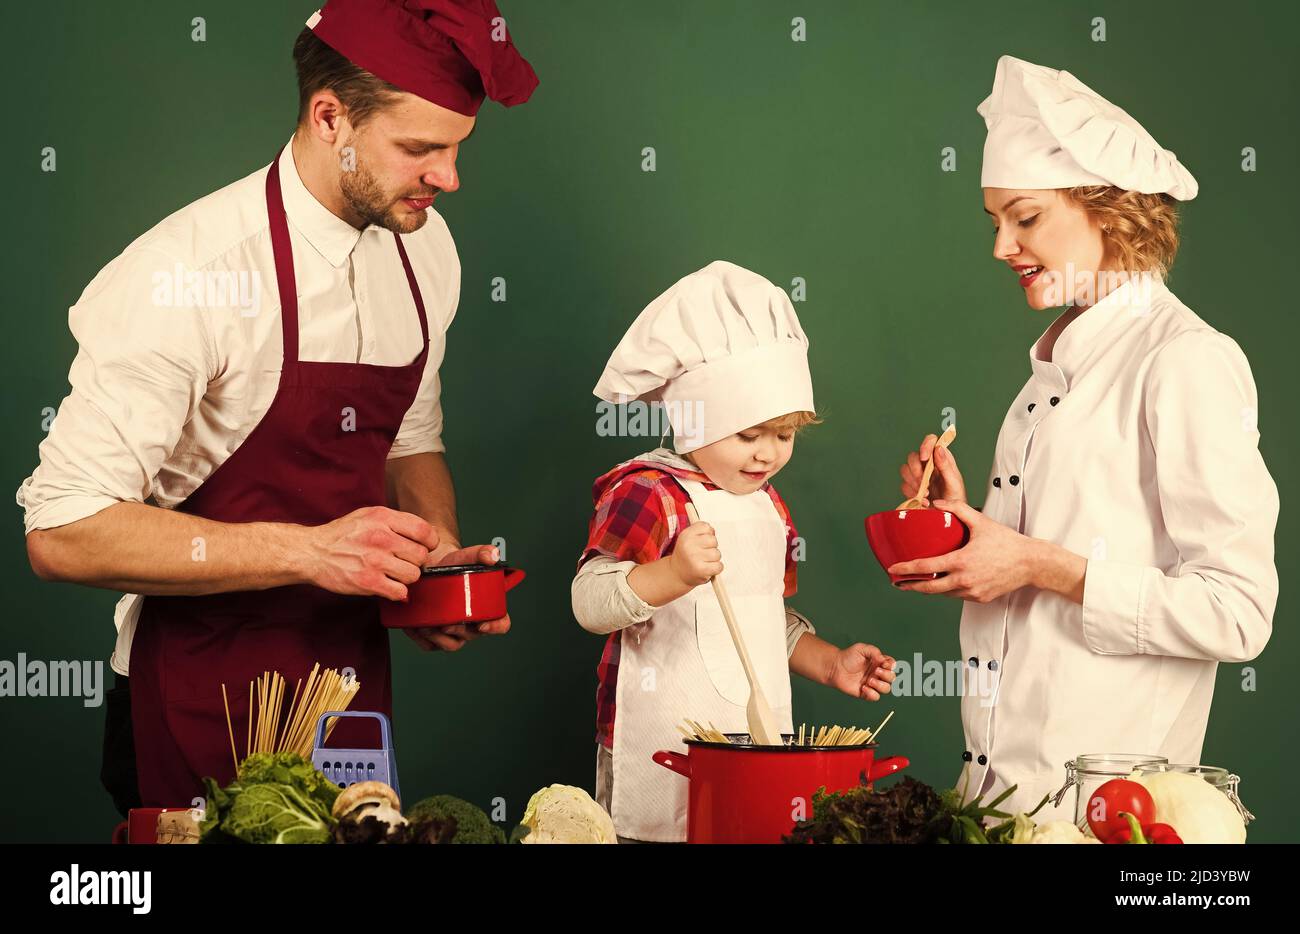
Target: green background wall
{"points": [[817, 159]]}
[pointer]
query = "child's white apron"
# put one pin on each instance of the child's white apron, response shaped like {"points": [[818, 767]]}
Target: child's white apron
{"points": [[682, 662]]}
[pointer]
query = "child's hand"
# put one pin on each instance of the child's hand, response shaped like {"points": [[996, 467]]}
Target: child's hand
{"points": [[696, 558], [862, 670]]}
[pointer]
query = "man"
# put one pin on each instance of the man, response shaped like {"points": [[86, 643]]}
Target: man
{"points": [[256, 377]]}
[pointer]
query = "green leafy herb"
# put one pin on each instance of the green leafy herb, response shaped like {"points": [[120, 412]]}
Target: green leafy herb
{"points": [[909, 812], [906, 812]]}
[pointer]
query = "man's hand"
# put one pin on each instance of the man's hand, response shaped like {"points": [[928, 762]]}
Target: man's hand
{"points": [[453, 638], [862, 670], [370, 551]]}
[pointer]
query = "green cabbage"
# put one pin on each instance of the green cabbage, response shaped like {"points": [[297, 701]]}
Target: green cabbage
{"points": [[565, 814], [288, 768], [275, 798], [273, 813]]}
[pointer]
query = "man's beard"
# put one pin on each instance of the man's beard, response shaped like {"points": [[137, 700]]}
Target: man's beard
{"points": [[371, 205]]}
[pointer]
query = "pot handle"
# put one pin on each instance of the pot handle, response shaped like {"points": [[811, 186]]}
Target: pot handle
{"points": [[671, 760], [887, 767], [514, 576]]}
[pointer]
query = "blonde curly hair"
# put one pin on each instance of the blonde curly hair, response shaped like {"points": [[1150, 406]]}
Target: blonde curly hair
{"points": [[793, 421], [1140, 231]]}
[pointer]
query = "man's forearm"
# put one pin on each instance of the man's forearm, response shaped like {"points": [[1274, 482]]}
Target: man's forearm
{"points": [[149, 550], [421, 484]]}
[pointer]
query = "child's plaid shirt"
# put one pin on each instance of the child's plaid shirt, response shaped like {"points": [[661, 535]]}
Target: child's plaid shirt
{"points": [[640, 508]]}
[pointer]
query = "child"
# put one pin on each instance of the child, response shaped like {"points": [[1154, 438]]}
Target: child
{"points": [[723, 351]]}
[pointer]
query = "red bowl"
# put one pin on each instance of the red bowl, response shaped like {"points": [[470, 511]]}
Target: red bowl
{"points": [[444, 596], [908, 534]]}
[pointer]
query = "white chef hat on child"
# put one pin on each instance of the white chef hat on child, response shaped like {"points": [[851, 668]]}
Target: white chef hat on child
{"points": [[722, 350], [1047, 129]]}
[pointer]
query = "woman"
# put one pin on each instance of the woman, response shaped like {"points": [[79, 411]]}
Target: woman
{"points": [[1125, 546]]}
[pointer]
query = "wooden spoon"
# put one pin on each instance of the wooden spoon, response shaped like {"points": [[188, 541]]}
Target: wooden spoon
{"points": [[916, 502], [763, 726]]}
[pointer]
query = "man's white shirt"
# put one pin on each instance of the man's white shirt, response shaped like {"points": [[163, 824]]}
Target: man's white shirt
{"points": [[180, 347]]}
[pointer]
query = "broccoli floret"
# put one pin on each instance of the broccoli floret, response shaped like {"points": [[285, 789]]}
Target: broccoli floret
{"points": [[431, 830], [472, 825]]}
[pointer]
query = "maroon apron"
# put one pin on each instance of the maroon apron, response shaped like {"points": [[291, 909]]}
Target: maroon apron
{"points": [[308, 461]]}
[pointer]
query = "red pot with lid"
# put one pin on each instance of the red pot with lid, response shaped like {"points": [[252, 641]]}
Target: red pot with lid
{"points": [[457, 593], [744, 793]]}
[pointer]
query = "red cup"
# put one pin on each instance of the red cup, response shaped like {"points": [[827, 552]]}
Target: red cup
{"points": [[140, 826], [444, 596], [908, 534]]}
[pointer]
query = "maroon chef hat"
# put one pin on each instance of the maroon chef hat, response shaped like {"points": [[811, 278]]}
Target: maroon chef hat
{"points": [[450, 52]]}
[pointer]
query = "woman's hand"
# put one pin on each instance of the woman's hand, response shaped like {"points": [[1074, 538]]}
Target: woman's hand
{"points": [[996, 560], [862, 670], [945, 482]]}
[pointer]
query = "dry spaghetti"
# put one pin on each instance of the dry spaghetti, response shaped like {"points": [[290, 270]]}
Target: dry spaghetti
{"points": [[272, 729], [807, 736]]}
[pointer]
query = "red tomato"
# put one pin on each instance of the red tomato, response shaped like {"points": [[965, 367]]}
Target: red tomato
{"points": [[1106, 803]]}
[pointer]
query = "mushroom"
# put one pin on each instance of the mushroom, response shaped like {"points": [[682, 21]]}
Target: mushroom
{"points": [[369, 812]]}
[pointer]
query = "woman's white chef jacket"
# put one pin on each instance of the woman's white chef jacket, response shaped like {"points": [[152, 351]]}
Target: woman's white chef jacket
{"points": [[1136, 447]]}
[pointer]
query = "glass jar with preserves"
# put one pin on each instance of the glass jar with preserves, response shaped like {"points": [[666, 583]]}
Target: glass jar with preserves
{"points": [[1088, 772]]}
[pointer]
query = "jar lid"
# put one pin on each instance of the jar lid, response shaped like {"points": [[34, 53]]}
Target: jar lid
{"points": [[1114, 763], [1211, 773]]}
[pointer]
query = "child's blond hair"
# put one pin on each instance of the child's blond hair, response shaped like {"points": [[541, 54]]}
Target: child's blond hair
{"points": [[791, 422]]}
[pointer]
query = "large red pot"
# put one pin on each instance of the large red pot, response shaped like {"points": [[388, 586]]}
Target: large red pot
{"points": [[743, 793]]}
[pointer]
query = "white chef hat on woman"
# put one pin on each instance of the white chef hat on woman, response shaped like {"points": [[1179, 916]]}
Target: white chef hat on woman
{"points": [[722, 350], [1047, 129]]}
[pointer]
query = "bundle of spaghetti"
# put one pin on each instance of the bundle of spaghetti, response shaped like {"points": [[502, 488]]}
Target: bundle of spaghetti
{"points": [[807, 736], [703, 734], [836, 735], [270, 730], [830, 736]]}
